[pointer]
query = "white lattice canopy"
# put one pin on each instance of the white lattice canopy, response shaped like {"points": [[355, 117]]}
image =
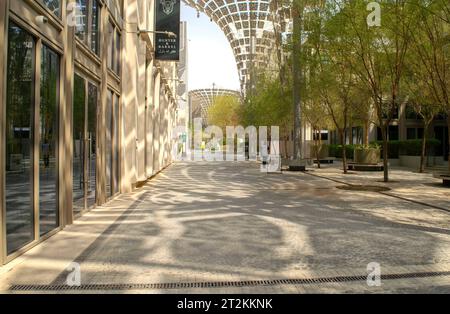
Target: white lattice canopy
{"points": [[202, 99], [249, 27]]}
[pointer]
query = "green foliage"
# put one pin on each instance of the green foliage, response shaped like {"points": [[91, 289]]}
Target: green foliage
{"points": [[409, 147], [271, 104], [336, 150], [225, 111]]}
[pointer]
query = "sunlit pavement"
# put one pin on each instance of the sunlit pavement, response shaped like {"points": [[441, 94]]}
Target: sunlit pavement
{"points": [[232, 225]]}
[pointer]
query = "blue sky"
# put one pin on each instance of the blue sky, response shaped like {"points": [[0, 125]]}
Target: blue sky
{"points": [[210, 57]]}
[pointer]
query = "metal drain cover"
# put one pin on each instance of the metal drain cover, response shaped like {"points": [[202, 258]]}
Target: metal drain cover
{"points": [[221, 284]]}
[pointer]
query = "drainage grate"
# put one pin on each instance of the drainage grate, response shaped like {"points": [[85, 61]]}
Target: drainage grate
{"points": [[221, 284]]}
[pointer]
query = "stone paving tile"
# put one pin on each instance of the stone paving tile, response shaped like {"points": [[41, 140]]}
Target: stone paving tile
{"points": [[229, 222]]}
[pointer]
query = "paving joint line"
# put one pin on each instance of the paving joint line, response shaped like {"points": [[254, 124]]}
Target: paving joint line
{"points": [[384, 193]]}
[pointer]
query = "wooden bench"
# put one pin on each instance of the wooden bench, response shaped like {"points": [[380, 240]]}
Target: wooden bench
{"points": [[444, 176], [365, 167], [295, 165], [328, 160]]}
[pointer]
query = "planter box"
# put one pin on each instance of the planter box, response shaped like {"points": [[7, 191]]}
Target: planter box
{"points": [[394, 162], [367, 156], [444, 176], [410, 161]]}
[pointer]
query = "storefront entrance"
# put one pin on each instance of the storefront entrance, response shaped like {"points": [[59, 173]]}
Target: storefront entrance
{"points": [[84, 144], [31, 143]]}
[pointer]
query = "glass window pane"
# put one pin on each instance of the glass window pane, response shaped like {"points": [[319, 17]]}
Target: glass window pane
{"points": [[111, 46], [95, 18], [48, 205], [116, 145], [19, 161], [108, 137], [78, 143], [54, 6], [92, 142], [81, 19], [118, 39]]}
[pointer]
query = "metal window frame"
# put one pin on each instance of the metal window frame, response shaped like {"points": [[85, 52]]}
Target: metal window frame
{"points": [[39, 41], [88, 80], [4, 24]]}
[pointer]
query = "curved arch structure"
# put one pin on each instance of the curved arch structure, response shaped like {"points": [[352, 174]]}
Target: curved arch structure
{"points": [[201, 99], [249, 27]]}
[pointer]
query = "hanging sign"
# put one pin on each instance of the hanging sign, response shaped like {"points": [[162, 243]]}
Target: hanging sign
{"points": [[167, 46]]}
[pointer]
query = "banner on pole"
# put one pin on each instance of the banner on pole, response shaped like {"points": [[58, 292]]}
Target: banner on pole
{"points": [[167, 47]]}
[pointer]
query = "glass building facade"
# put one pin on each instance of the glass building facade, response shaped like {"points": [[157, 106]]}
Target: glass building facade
{"points": [[69, 139]]}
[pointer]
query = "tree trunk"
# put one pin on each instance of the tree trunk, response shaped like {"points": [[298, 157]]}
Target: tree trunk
{"points": [[286, 141], [424, 146], [317, 145], [448, 138], [366, 133], [385, 153], [297, 11], [344, 152]]}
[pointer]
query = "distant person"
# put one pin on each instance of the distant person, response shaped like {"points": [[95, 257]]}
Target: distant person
{"points": [[46, 153]]}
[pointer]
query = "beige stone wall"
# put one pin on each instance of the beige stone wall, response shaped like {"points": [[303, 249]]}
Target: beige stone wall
{"points": [[148, 88]]}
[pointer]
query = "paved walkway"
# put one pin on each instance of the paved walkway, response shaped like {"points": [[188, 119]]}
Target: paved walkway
{"points": [[200, 223]]}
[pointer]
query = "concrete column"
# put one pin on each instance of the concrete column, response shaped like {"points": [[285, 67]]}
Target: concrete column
{"points": [[149, 118], [156, 122], [66, 129], [130, 98], [101, 123], [140, 111], [162, 123]]}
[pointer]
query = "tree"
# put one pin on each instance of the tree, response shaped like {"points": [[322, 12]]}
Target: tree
{"points": [[421, 100], [431, 61], [270, 106], [225, 111], [330, 77], [378, 55]]}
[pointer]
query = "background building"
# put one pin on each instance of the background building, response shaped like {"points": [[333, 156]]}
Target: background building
{"points": [[86, 111]]}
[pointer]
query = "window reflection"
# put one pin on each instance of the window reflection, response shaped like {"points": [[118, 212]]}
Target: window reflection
{"points": [[19, 104], [84, 144], [109, 148], [95, 17], [48, 207], [92, 144], [54, 6], [81, 19], [114, 47], [87, 28], [79, 94]]}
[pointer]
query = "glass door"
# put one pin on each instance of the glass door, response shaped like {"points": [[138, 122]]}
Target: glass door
{"points": [[84, 144], [78, 189], [19, 139], [91, 149], [31, 169], [48, 157]]}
